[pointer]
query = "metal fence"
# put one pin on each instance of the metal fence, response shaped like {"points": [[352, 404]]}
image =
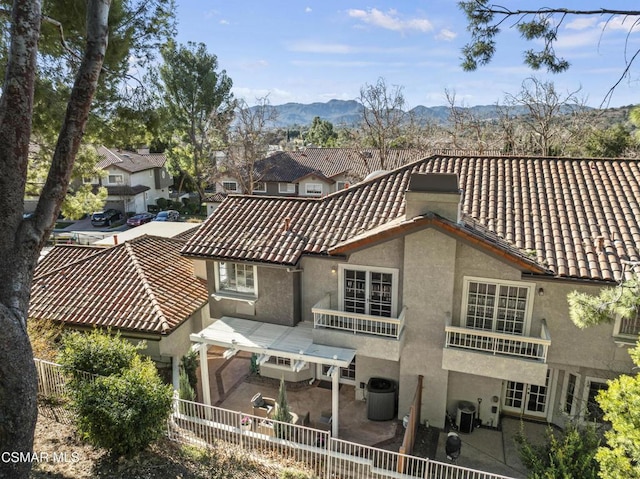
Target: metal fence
{"points": [[202, 425]]}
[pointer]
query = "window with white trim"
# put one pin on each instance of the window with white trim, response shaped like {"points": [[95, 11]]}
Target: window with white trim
{"points": [[115, 179], [260, 187], [230, 186], [236, 278], [571, 389], [313, 189], [503, 307], [286, 188], [372, 291], [629, 327], [342, 185], [278, 361], [593, 412]]}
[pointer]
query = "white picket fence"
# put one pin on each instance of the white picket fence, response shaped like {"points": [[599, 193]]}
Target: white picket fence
{"points": [[202, 425]]}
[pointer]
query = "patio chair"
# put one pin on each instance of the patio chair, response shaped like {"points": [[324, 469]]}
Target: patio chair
{"points": [[263, 406]]}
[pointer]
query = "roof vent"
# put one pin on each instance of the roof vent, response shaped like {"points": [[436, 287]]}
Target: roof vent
{"points": [[287, 224]]}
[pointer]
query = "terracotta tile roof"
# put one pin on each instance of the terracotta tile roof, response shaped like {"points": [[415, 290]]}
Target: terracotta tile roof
{"points": [[64, 254], [143, 285], [129, 161], [577, 218], [291, 166]]}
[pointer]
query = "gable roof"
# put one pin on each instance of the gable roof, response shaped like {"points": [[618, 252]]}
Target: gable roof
{"points": [[576, 218], [292, 166], [129, 161], [143, 285]]}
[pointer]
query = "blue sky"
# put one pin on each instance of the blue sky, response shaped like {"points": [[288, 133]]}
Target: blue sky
{"points": [[316, 50]]}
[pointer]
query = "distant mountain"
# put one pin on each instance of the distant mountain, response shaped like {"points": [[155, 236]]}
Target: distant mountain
{"points": [[348, 113]]}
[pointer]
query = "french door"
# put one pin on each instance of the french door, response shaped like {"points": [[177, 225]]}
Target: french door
{"points": [[527, 399], [371, 292], [497, 307]]}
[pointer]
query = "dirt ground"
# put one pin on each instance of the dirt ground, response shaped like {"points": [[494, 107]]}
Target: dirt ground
{"points": [[63, 455]]}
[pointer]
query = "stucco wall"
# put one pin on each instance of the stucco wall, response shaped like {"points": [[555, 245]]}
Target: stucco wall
{"points": [[428, 295], [277, 300]]}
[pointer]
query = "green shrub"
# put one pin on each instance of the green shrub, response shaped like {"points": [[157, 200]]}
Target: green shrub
{"points": [[127, 405], [97, 353], [189, 365], [185, 390], [162, 203], [282, 413], [293, 474]]}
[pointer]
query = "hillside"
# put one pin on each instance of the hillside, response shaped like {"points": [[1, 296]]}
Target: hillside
{"points": [[347, 113]]}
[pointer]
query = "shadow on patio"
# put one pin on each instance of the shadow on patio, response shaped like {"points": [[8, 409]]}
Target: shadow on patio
{"points": [[232, 387]]}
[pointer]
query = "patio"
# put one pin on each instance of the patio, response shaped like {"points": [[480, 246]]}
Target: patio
{"points": [[232, 387]]}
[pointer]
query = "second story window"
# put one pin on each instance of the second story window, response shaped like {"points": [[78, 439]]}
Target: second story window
{"points": [[629, 327], [231, 186], [369, 291], [260, 187], [236, 278], [504, 307], [313, 189], [116, 179], [288, 188]]}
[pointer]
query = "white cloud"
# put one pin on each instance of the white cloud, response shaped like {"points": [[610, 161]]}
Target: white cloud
{"points": [[308, 10], [224, 22], [253, 65], [250, 95], [390, 20], [315, 47], [446, 35], [620, 22], [581, 23]]}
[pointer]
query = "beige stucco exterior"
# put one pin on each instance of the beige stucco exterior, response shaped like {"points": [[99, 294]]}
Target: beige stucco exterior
{"points": [[432, 268]]}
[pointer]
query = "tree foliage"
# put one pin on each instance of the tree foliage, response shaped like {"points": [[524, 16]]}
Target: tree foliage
{"points": [[621, 301], [620, 458], [248, 142], [539, 26], [199, 106], [565, 454], [125, 407], [611, 142], [382, 118], [282, 413], [322, 134]]}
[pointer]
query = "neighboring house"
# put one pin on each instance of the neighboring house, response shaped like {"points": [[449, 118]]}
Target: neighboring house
{"points": [[142, 288], [134, 181], [313, 172], [453, 268]]}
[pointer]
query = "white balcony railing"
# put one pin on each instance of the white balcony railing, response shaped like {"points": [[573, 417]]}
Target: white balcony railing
{"points": [[523, 347], [324, 317]]}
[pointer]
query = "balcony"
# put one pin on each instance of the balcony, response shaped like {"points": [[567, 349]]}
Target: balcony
{"points": [[498, 355], [355, 323], [373, 336]]}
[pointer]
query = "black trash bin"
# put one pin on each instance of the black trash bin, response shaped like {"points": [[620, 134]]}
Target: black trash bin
{"points": [[466, 415]]}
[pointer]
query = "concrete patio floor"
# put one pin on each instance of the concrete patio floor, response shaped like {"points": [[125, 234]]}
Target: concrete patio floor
{"points": [[484, 449], [232, 387]]}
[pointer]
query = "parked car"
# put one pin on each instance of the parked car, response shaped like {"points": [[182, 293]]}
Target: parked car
{"points": [[140, 219], [106, 217], [169, 215]]}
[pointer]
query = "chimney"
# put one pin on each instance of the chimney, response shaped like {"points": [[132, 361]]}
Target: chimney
{"points": [[433, 192], [115, 239]]}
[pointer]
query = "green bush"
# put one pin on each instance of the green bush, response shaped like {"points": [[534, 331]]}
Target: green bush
{"points": [[97, 353], [162, 203], [123, 410]]}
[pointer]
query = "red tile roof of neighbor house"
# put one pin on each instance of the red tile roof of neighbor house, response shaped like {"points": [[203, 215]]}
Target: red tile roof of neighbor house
{"points": [[143, 285], [574, 218], [291, 166], [129, 161]]}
